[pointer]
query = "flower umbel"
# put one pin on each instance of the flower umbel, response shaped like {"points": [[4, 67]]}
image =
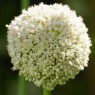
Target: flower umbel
{"points": [[48, 44]]}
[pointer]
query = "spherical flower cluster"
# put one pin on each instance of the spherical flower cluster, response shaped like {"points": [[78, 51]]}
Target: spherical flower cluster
{"points": [[48, 44]]}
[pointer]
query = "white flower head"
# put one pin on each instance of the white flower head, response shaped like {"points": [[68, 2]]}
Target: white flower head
{"points": [[48, 44]]}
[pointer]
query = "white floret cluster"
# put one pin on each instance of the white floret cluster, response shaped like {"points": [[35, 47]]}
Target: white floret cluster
{"points": [[48, 44]]}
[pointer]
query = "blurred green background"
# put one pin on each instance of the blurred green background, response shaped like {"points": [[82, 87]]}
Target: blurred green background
{"points": [[84, 82]]}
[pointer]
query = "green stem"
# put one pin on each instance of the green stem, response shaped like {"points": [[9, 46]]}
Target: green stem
{"points": [[21, 80], [46, 92], [21, 86], [24, 4]]}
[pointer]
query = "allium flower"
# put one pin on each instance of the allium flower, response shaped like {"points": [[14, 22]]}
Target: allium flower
{"points": [[48, 44]]}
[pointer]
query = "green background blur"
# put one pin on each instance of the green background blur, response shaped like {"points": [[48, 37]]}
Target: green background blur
{"points": [[84, 82]]}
